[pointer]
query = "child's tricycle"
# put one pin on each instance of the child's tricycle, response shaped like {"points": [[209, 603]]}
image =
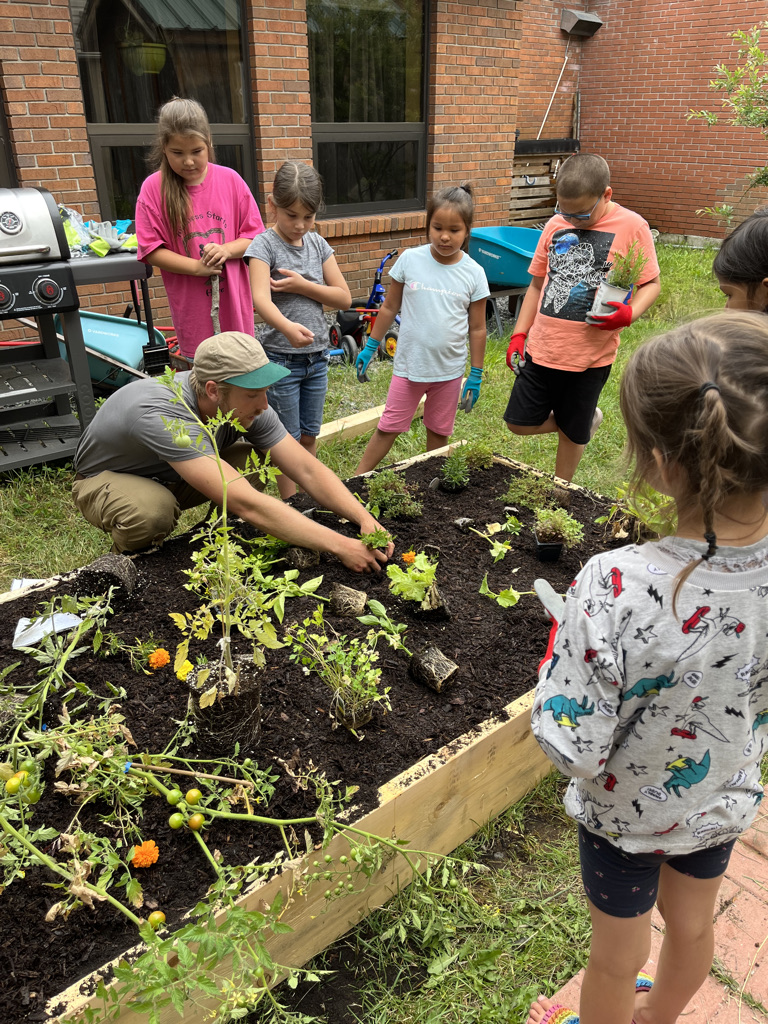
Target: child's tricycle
{"points": [[353, 326]]}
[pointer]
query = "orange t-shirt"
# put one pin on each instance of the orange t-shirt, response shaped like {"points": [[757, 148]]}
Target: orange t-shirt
{"points": [[574, 261]]}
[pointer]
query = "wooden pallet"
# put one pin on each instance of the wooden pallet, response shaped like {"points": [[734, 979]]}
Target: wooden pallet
{"points": [[532, 195]]}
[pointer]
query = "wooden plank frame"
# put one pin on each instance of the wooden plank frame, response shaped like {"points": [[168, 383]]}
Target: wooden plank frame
{"points": [[435, 805]]}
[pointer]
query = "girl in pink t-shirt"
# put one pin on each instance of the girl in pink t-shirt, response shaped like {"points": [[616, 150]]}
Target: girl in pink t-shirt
{"points": [[194, 221]]}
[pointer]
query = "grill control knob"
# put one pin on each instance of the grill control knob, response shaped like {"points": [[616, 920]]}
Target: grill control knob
{"points": [[6, 297], [46, 290]]}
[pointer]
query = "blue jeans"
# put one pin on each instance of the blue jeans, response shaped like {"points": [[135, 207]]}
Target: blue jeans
{"points": [[298, 400]]}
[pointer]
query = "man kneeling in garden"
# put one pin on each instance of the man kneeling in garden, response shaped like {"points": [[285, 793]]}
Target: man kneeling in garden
{"points": [[134, 476]]}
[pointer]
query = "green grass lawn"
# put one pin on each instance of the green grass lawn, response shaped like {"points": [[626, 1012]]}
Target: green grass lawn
{"points": [[523, 925]]}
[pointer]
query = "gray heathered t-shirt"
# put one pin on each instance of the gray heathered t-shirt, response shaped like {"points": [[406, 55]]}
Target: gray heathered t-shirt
{"points": [[307, 260], [127, 434]]}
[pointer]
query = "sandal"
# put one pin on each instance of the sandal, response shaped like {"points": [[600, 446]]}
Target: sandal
{"points": [[558, 1014], [644, 982]]}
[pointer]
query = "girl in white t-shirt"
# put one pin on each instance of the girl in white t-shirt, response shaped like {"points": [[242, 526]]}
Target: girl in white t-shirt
{"points": [[440, 292]]}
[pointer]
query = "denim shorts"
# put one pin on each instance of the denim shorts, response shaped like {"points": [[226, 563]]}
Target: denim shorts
{"points": [[626, 884], [298, 400]]}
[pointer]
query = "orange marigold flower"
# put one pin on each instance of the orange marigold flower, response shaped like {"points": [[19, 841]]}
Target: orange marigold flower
{"points": [[159, 658], [408, 557], [144, 856]]}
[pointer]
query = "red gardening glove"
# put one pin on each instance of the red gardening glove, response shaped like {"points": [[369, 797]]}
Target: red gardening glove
{"points": [[516, 353], [614, 321], [550, 643]]}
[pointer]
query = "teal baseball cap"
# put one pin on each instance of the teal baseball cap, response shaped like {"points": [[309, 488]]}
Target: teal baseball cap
{"points": [[233, 357]]}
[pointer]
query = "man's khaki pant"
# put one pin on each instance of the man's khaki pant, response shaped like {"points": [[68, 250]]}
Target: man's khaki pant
{"points": [[138, 512]]}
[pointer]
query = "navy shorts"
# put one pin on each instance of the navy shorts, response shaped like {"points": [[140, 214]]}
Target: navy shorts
{"points": [[570, 394], [627, 884]]}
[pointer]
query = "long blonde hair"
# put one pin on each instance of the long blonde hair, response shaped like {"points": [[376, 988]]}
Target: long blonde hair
{"points": [[178, 117], [699, 395]]}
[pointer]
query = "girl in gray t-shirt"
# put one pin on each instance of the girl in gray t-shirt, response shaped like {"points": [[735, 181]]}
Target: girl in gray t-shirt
{"points": [[293, 275]]}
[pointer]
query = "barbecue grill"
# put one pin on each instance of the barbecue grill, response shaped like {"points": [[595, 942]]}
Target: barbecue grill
{"points": [[36, 419]]}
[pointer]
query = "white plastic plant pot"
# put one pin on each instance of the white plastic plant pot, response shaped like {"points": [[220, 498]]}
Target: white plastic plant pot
{"points": [[606, 293]]}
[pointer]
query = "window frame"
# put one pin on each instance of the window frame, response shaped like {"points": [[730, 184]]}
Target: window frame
{"points": [[103, 137], [384, 131]]}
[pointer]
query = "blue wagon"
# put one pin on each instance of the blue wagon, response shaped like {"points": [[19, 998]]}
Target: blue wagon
{"points": [[504, 253]]}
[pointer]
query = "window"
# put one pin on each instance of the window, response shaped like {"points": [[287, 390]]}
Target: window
{"points": [[366, 68], [133, 56]]}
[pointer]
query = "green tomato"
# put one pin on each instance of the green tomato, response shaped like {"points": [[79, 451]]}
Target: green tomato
{"points": [[173, 796], [182, 441], [156, 918], [29, 764], [193, 796], [176, 820], [13, 786]]}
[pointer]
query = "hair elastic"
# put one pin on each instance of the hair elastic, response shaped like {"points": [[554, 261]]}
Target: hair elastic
{"points": [[708, 385], [711, 539]]}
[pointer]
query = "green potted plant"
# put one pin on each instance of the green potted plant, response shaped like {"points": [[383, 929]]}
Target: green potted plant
{"points": [[620, 281], [554, 529], [454, 475]]}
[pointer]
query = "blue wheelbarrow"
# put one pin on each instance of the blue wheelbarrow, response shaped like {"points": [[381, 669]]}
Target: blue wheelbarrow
{"points": [[504, 253], [117, 349]]}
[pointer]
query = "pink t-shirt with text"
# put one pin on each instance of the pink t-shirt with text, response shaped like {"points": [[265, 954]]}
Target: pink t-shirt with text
{"points": [[222, 210], [574, 261]]}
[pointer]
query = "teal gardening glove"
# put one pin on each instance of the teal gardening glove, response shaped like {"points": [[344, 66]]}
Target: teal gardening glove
{"points": [[364, 358], [471, 391]]}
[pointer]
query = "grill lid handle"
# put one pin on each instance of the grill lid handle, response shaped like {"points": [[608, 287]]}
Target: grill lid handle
{"points": [[24, 250]]}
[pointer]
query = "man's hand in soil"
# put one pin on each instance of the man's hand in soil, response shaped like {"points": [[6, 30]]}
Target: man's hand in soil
{"points": [[357, 557]]}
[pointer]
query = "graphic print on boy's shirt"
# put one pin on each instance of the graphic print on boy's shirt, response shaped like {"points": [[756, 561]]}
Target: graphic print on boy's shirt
{"points": [[578, 263]]}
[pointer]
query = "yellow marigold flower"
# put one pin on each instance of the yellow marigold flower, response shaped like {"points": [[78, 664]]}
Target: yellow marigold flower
{"points": [[144, 856], [408, 557], [159, 658], [184, 671]]}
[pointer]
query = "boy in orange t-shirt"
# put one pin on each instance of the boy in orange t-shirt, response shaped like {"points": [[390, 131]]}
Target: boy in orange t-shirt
{"points": [[562, 360]]}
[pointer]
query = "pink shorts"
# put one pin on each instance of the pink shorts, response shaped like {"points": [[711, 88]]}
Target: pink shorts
{"points": [[439, 409]]}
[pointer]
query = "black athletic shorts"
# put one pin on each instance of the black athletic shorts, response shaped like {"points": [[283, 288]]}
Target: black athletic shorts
{"points": [[570, 394], [627, 884]]}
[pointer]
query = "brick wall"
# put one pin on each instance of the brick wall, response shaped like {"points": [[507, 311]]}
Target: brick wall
{"points": [[44, 110], [640, 75], [542, 53], [473, 67]]}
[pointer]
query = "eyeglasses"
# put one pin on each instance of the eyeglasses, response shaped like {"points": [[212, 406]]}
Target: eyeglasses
{"points": [[576, 216]]}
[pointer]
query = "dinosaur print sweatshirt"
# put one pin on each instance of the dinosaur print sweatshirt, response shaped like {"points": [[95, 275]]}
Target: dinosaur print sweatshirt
{"points": [[660, 717]]}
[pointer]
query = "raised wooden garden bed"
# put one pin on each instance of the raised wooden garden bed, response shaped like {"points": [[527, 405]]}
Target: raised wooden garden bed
{"points": [[465, 755]]}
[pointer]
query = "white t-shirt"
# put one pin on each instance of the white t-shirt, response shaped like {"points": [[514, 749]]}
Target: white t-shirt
{"points": [[432, 343]]}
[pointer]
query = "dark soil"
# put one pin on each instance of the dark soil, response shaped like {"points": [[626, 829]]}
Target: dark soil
{"points": [[497, 650]]}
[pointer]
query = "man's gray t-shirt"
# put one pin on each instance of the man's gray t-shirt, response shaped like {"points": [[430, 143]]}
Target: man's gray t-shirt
{"points": [[127, 434], [307, 260]]}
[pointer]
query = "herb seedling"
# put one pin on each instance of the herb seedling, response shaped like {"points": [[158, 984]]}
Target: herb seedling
{"points": [[390, 495], [379, 538], [556, 526], [479, 454], [528, 491], [454, 473], [627, 267]]}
